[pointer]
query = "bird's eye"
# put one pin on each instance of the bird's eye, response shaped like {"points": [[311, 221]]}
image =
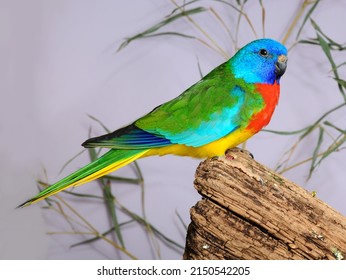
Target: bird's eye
{"points": [[263, 52]]}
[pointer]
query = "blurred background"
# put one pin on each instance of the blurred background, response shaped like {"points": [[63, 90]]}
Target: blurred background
{"points": [[60, 64]]}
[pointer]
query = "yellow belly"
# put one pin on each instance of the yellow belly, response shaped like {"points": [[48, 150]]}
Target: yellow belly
{"points": [[216, 148]]}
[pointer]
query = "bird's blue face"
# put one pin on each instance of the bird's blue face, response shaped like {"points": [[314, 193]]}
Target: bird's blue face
{"points": [[261, 61]]}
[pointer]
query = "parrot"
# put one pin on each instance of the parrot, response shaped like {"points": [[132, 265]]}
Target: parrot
{"points": [[226, 107]]}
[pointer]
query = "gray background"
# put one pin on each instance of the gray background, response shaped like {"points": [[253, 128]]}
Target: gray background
{"points": [[59, 63]]}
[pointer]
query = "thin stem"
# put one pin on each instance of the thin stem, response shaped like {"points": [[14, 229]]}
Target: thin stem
{"points": [[311, 127], [295, 21], [147, 225], [223, 24], [241, 13], [301, 162], [220, 50], [296, 164], [263, 18], [94, 231], [71, 232]]}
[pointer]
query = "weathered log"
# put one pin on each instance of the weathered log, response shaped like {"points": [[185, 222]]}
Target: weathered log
{"points": [[251, 212]]}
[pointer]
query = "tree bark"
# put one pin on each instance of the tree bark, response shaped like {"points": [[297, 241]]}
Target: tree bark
{"points": [[250, 212]]}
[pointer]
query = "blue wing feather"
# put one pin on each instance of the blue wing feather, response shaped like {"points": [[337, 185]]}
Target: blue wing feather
{"points": [[130, 137]]}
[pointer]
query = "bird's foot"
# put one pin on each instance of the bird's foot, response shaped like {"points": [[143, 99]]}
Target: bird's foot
{"points": [[229, 154], [215, 158]]}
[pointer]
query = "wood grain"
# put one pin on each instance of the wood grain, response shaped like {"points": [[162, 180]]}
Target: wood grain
{"points": [[250, 212]]}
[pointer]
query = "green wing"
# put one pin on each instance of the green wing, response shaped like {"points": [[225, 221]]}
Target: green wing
{"points": [[205, 112]]}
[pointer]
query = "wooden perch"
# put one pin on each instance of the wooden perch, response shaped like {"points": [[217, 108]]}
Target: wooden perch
{"points": [[250, 212]]}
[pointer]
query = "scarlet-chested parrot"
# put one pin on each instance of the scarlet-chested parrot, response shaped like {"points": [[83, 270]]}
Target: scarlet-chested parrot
{"points": [[225, 108]]}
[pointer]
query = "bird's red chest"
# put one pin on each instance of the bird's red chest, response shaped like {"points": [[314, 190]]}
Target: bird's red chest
{"points": [[270, 94]]}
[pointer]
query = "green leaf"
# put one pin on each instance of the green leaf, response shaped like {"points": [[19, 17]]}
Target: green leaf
{"points": [[316, 123], [97, 237], [341, 82], [182, 7], [123, 179], [170, 18], [142, 221], [342, 64], [181, 220], [69, 161], [335, 127], [326, 48], [334, 147], [99, 122], [109, 200], [336, 144], [286, 132], [170, 34], [307, 16], [316, 152]]}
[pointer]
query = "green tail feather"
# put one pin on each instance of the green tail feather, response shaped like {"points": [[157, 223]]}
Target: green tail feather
{"points": [[110, 161]]}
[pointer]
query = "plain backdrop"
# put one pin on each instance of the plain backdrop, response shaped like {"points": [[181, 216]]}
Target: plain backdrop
{"points": [[58, 63]]}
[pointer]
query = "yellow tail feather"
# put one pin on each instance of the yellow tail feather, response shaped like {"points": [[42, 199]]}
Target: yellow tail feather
{"points": [[108, 169], [73, 181]]}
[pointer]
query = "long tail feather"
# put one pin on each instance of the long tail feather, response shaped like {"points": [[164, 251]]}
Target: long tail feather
{"points": [[110, 161]]}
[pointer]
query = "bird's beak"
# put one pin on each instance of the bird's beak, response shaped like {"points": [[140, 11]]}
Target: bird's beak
{"points": [[280, 65]]}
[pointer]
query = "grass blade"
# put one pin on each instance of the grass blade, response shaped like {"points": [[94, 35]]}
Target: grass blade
{"points": [[99, 122], [182, 7], [69, 161], [285, 132], [307, 16], [170, 18], [152, 228], [109, 200], [99, 237], [181, 220], [326, 48], [316, 152], [263, 18], [341, 82]]}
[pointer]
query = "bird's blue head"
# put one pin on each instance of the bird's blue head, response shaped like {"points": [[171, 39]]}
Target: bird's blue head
{"points": [[261, 61]]}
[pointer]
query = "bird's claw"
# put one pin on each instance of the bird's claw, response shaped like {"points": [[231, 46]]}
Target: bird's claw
{"points": [[237, 150]]}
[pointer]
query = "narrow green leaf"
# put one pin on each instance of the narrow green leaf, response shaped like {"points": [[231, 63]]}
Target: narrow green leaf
{"points": [[98, 237], [307, 16], [182, 7], [312, 41], [170, 34], [83, 195], [332, 44], [123, 179], [316, 152], [166, 21], [181, 220], [109, 200], [263, 17], [335, 127], [99, 122], [199, 68], [286, 132], [335, 146], [341, 82], [231, 5], [316, 123], [241, 13], [342, 64], [326, 48], [69, 161], [155, 230]]}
